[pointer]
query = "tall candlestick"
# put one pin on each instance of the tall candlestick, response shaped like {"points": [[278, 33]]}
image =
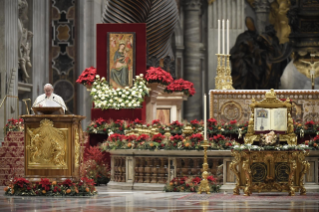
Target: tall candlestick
{"points": [[227, 37], [205, 118], [218, 36], [223, 37]]}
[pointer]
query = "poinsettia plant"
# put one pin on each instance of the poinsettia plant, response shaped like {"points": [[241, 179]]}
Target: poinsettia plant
{"points": [[98, 126], [158, 75], [176, 127], [190, 184], [181, 85], [87, 76], [14, 125], [197, 126]]}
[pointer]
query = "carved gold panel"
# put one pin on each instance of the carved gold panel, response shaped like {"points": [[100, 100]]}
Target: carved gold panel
{"points": [[47, 146]]}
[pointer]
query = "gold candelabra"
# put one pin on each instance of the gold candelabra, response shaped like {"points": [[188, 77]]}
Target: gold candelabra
{"points": [[223, 80], [204, 186]]}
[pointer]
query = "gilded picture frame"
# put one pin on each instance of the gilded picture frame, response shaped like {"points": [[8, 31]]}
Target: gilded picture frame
{"points": [[121, 58]]}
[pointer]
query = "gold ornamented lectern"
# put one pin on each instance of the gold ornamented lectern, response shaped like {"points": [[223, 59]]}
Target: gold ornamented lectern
{"points": [[52, 146]]}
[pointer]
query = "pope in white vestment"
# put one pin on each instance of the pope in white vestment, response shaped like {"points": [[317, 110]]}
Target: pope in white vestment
{"points": [[49, 99]]}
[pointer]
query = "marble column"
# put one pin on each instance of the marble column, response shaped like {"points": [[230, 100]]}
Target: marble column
{"points": [[234, 11], [40, 17], [8, 59], [88, 15], [192, 57]]}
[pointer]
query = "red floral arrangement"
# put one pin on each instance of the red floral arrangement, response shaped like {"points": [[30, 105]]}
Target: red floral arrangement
{"points": [[45, 184], [21, 182], [233, 122], [67, 183], [310, 123], [212, 122], [177, 138], [181, 85], [14, 125], [115, 137], [130, 138], [100, 121], [158, 138], [87, 77], [156, 122], [158, 75], [197, 137], [143, 138], [218, 137]]}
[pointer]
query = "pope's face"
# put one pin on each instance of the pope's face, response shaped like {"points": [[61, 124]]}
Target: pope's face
{"points": [[48, 91]]}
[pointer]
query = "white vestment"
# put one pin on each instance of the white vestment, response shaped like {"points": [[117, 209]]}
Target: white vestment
{"points": [[47, 101]]}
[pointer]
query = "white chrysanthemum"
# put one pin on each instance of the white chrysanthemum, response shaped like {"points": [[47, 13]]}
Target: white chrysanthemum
{"points": [[97, 76], [120, 100], [122, 104], [123, 95], [93, 90], [137, 77], [103, 78], [130, 105], [141, 75], [111, 100], [98, 86]]}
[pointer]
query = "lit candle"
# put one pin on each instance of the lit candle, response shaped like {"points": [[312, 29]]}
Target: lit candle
{"points": [[218, 36], [227, 36], [205, 118], [223, 37]]}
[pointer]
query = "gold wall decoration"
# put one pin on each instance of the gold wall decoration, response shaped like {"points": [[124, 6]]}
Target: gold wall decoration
{"points": [[46, 146], [77, 148], [278, 171]]}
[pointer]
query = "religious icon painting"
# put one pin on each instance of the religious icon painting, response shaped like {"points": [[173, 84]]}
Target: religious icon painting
{"points": [[121, 50]]}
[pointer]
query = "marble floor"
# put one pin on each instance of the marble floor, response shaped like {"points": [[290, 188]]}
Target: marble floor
{"points": [[150, 201]]}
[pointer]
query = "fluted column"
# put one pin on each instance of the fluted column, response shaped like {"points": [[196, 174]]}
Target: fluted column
{"points": [[89, 14], [40, 17], [192, 59], [8, 58]]}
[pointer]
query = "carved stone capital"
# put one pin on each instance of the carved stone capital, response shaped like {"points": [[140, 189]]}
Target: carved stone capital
{"points": [[260, 5], [194, 5]]}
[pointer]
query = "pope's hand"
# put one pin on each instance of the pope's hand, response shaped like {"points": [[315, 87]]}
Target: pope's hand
{"points": [[40, 105]]}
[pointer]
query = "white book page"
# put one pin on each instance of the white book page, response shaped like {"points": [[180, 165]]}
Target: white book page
{"points": [[279, 119], [50, 103], [262, 119]]}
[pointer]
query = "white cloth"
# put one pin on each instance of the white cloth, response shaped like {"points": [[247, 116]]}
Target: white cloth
{"points": [[42, 99]]}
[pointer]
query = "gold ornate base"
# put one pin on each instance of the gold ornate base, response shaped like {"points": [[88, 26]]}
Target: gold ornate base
{"points": [[269, 171]]}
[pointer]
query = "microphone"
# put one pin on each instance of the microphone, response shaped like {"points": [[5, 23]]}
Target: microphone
{"points": [[42, 100], [64, 107]]}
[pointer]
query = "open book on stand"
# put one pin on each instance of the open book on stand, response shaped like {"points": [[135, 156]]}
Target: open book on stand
{"points": [[267, 119]]}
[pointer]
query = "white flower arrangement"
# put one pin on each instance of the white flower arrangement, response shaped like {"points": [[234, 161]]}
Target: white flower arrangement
{"points": [[105, 97]]}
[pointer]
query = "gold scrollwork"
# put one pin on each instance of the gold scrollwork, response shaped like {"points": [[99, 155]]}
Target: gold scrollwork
{"points": [[233, 168], [46, 146]]}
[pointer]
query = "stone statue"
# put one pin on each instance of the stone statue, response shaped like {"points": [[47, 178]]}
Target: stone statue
{"points": [[24, 42]]}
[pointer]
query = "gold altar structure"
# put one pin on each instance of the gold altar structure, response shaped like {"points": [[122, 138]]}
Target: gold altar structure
{"points": [[270, 171], [271, 101], [52, 146]]}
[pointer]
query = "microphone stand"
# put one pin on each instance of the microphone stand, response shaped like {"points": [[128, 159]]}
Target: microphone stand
{"points": [[65, 108]]}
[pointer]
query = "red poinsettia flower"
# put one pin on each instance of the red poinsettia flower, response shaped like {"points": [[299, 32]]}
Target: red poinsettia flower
{"points": [[158, 75], [45, 184], [21, 182], [212, 121], [211, 178], [316, 138], [67, 183], [196, 180], [87, 77], [194, 122], [100, 121], [87, 181], [115, 137], [310, 123], [158, 138], [176, 124], [232, 122], [156, 122], [198, 137], [143, 137], [181, 85], [137, 121], [218, 137], [130, 138], [177, 138]]}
